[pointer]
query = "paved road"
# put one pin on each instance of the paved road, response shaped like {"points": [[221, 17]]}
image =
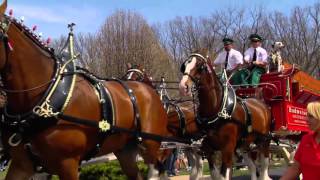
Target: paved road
{"points": [[275, 174]]}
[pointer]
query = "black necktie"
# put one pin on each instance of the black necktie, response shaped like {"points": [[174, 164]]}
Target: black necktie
{"points": [[254, 58], [226, 61]]}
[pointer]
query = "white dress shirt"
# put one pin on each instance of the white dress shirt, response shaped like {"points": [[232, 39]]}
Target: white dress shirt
{"points": [[262, 54], [234, 58]]}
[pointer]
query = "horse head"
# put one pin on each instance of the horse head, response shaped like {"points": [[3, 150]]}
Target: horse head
{"points": [[198, 72], [194, 70], [137, 73]]}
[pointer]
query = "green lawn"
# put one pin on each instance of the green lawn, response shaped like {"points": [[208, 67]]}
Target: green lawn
{"points": [[182, 172], [3, 174]]}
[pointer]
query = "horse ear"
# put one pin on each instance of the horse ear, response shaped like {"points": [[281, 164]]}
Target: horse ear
{"points": [[3, 7], [129, 66]]}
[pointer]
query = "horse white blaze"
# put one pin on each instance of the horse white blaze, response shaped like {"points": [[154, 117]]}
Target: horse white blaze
{"points": [[184, 89]]}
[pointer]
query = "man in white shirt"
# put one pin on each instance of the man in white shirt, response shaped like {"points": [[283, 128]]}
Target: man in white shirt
{"points": [[257, 57], [231, 60]]}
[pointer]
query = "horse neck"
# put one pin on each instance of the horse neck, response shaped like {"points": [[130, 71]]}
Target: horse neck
{"points": [[27, 66], [210, 95]]}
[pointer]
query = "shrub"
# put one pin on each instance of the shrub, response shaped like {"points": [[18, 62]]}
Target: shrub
{"points": [[109, 170]]}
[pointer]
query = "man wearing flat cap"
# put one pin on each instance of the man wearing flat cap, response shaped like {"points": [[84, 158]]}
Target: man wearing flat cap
{"points": [[257, 57], [231, 60]]}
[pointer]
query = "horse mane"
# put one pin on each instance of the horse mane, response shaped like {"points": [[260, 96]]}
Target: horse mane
{"points": [[31, 35]]}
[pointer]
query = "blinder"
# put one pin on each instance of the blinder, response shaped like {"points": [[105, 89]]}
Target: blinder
{"points": [[183, 65]]}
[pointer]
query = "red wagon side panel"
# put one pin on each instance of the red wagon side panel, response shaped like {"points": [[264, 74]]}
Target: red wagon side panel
{"points": [[287, 98]]}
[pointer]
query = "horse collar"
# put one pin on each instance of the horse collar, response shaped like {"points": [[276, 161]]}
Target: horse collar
{"points": [[228, 105], [53, 102]]}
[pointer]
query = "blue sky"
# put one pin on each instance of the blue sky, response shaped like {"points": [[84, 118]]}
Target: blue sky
{"points": [[52, 16]]}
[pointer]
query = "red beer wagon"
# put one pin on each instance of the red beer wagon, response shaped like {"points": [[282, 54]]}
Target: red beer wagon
{"points": [[287, 93]]}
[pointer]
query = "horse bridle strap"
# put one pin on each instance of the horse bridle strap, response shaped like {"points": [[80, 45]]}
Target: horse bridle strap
{"points": [[198, 55], [193, 79], [136, 70], [140, 73]]}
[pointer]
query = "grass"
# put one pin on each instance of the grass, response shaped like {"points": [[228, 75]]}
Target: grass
{"points": [[3, 173], [206, 171]]}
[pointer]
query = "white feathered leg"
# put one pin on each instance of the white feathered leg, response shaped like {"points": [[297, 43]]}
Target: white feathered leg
{"points": [[153, 173], [264, 161], [251, 166], [196, 162]]}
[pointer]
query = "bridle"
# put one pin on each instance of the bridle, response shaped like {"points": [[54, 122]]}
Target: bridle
{"points": [[130, 72]]}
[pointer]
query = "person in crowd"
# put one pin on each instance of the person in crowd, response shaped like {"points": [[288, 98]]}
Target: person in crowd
{"points": [[307, 157], [170, 163], [181, 161]]}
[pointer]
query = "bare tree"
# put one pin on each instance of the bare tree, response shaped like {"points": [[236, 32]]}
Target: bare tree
{"points": [[125, 36], [300, 33]]}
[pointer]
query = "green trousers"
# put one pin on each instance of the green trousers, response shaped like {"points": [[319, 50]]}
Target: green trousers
{"points": [[255, 76], [240, 77]]}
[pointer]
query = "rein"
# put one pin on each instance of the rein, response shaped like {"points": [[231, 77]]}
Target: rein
{"points": [[26, 90]]}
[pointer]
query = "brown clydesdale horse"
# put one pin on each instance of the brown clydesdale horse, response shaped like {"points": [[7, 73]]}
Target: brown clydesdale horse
{"points": [[36, 136], [229, 122], [187, 114]]}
